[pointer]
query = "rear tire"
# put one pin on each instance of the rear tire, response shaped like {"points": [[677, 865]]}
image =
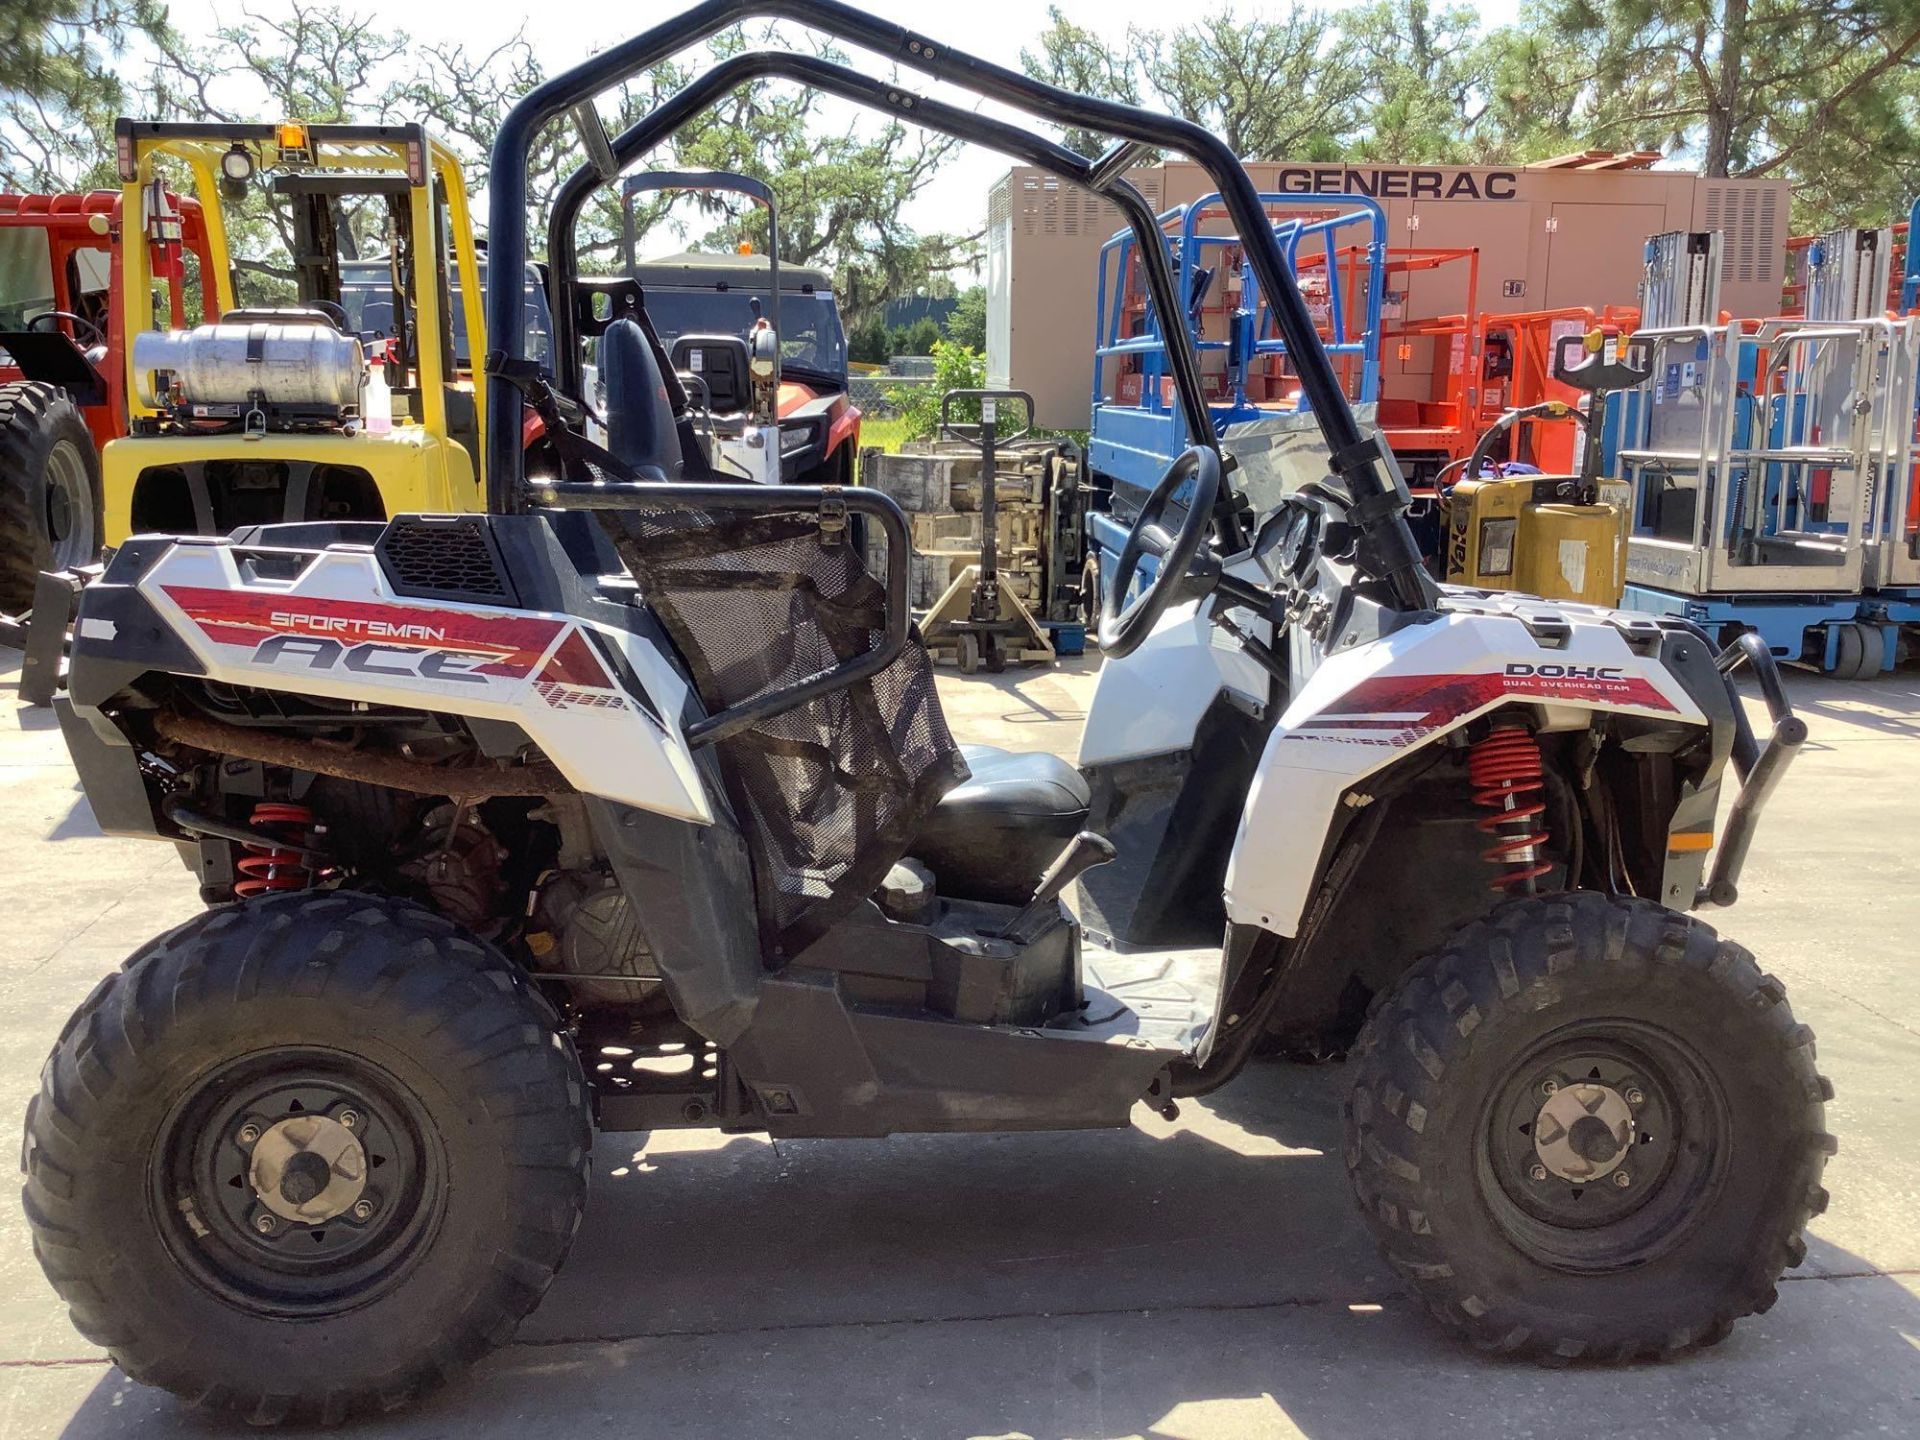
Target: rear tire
{"points": [[49, 489], [1673, 1046], [417, 1063]]}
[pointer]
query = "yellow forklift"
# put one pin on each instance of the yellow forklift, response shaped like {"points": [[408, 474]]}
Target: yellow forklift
{"points": [[355, 401], [1561, 537]]}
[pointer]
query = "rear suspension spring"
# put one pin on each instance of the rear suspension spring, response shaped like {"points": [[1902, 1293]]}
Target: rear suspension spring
{"points": [[270, 865], [1509, 779]]}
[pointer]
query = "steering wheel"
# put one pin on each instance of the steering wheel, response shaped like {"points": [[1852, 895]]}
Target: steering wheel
{"points": [[334, 311], [1122, 630], [77, 321]]}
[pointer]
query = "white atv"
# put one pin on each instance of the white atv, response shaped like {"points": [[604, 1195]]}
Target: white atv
{"points": [[631, 805]]}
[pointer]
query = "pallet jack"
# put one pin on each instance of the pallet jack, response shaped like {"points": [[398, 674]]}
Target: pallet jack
{"points": [[1560, 537], [979, 620]]}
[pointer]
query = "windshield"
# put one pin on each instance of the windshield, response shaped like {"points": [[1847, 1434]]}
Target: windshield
{"points": [[810, 333], [366, 294], [26, 275]]}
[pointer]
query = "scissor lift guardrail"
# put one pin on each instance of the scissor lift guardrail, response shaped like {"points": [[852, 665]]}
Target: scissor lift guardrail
{"points": [[1757, 456], [1892, 558]]}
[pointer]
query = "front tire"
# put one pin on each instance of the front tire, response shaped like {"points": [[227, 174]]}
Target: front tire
{"points": [[1588, 1127], [49, 489], [306, 1156]]}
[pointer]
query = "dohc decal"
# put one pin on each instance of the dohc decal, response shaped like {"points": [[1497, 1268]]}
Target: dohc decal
{"points": [[1570, 672]]}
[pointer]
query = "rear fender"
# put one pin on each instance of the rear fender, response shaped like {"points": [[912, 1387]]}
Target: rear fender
{"points": [[602, 703]]}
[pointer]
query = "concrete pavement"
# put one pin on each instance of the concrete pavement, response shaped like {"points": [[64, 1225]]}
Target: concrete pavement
{"points": [[1190, 1280]]}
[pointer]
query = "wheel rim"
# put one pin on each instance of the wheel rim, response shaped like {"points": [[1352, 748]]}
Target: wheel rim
{"points": [[69, 506], [1602, 1147], [298, 1183]]}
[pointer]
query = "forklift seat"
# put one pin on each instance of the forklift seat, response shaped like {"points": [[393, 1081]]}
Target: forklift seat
{"points": [[721, 362], [992, 836], [641, 429]]}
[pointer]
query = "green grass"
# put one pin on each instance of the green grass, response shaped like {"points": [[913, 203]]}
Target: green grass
{"points": [[890, 434], [886, 434]]}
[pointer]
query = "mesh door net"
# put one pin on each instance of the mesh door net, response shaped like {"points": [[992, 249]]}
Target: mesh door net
{"points": [[830, 794]]}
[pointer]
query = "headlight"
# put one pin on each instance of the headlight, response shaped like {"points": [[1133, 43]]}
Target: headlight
{"points": [[1496, 546], [795, 438]]}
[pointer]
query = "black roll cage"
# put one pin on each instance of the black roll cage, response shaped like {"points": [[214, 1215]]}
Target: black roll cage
{"points": [[1386, 551]]}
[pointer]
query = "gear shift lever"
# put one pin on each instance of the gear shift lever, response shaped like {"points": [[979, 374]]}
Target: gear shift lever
{"points": [[1083, 852]]}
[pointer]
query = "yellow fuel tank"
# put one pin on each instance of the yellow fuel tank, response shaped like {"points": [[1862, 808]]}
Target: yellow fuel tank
{"points": [[1521, 533]]}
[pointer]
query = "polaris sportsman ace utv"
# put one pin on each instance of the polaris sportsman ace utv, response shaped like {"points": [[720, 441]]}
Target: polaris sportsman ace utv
{"points": [[629, 804]]}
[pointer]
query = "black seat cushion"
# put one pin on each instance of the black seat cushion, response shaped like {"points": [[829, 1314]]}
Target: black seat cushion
{"points": [[722, 363], [641, 430], [991, 837]]}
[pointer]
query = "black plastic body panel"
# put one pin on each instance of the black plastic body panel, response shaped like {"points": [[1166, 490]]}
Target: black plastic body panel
{"points": [[109, 772], [957, 967], [1689, 657], [444, 557], [822, 1067], [1173, 819], [118, 636], [691, 888]]}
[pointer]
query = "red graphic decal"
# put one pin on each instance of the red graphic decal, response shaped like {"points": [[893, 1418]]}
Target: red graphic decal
{"points": [[1399, 709], [568, 697], [510, 644], [574, 664]]}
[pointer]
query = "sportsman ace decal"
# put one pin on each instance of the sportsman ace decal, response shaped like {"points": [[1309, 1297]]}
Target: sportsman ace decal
{"points": [[377, 639]]}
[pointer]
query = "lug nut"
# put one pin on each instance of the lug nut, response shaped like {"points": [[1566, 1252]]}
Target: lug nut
{"points": [[1549, 1087], [263, 1222], [1636, 1098], [249, 1133], [1622, 1179], [349, 1118], [362, 1209], [1538, 1172]]}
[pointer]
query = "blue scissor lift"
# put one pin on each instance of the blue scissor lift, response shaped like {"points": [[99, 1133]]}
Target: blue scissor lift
{"points": [[1757, 454], [1138, 427], [1893, 546]]}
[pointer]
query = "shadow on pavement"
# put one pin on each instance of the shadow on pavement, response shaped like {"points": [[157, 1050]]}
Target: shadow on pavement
{"points": [[1201, 1279]]}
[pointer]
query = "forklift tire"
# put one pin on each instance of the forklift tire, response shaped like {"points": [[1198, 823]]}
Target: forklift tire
{"points": [[352, 1058], [49, 489], [1860, 652], [1090, 591], [1657, 1212]]}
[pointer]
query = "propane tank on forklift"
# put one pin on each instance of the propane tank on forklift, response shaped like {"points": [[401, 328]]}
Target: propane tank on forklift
{"points": [[1560, 537]]}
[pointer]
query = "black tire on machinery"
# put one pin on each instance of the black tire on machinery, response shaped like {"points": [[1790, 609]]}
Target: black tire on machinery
{"points": [[446, 1015], [1500, 984], [34, 418]]}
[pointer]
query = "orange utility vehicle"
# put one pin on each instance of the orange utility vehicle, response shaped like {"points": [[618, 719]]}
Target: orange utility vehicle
{"points": [[63, 372]]}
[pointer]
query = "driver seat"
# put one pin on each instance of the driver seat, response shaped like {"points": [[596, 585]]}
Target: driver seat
{"points": [[991, 837]]}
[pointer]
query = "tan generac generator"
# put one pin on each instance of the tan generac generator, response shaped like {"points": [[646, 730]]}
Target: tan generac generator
{"points": [[1563, 232]]}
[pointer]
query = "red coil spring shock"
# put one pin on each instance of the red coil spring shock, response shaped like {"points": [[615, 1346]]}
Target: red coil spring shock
{"points": [[270, 865], [1509, 779]]}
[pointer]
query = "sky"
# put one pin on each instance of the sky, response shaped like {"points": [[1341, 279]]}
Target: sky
{"points": [[995, 30]]}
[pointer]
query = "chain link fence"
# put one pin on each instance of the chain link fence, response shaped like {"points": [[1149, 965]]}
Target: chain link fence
{"points": [[870, 392]]}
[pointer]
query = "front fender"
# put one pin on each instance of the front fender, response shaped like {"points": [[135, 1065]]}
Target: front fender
{"points": [[1371, 705]]}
